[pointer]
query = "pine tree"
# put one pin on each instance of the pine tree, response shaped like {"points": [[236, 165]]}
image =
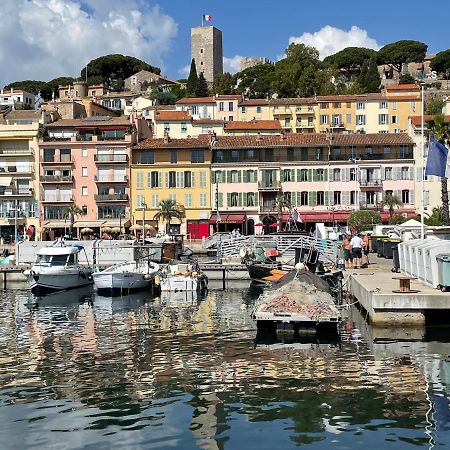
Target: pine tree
{"points": [[191, 85], [202, 86], [369, 79]]}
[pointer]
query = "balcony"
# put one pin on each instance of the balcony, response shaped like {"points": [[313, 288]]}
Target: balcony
{"points": [[14, 192], [56, 179], [11, 152], [57, 161], [267, 187], [371, 184], [371, 206], [107, 159], [108, 179], [111, 197], [12, 170], [57, 198]]}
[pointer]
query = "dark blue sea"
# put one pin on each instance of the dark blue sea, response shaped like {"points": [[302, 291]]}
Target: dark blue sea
{"points": [[80, 371]]}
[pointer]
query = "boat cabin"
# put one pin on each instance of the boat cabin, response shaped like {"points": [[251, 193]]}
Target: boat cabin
{"points": [[57, 256]]}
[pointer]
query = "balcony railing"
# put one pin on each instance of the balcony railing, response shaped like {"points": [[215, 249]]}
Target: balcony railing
{"points": [[111, 158], [264, 186], [58, 161], [56, 179], [110, 197], [12, 152], [109, 179], [371, 184], [365, 205], [16, 192], [57, 198]]}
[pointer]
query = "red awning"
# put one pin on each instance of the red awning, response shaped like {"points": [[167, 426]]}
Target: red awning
{"points": [[228, 218]]}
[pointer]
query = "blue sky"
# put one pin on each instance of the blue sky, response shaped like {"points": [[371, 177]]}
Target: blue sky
{"points": [[158, 31]]}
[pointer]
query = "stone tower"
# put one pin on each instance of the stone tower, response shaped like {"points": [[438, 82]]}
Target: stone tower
{"points": [[206, 49]]}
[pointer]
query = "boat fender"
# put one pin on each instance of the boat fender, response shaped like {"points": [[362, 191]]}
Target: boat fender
{"points": [[147, 276], [90, 277]]}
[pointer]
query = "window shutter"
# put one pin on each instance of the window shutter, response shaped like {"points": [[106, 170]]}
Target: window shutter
{"points": [[178, 182], [426, 198], [310, 175], [245, 176], [411, 197], [377, 174], [363, 175], [220, 200], [314, 174], [327, 197], [193, 179], [245, 199], [228, 199], [418, 173], [396, 173], [398, 194], [167, 179], [149, 179], [256, 199], [240, 199], [345, 198], [298, 176], [159, 175], [292, 174], [228, 173], [239, 176], [312, 200]]}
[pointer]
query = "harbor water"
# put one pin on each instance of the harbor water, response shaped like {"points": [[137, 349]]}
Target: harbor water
{"points": [[80, 371]]}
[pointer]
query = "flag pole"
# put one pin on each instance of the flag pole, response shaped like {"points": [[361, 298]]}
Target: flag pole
{"points": [[202, 19], [422, 199]]}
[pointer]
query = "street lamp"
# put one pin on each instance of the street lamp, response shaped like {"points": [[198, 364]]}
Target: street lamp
{"points": [[422, 145]]}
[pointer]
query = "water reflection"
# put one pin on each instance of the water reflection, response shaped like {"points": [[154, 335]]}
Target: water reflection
{"points": [[191, 372]]}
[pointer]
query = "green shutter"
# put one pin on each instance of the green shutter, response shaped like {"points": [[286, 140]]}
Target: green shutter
{"points": [[327, 196], [299, 176], [245, 176], [240, 199], [245, 200], [312, 201], [314, 174], [310, 175], [256, 198], [228, 199], [292, 175], [228, 176], [325, 174], [239, 176]]}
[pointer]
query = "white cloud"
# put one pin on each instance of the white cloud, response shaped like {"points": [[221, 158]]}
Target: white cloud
{"points": [[232, 65], [330, 40], [43, 39], [184, 71]]}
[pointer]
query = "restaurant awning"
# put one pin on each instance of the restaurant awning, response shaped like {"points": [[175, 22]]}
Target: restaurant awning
{"points": [[54, 224], [5, 181], [228, 218]]}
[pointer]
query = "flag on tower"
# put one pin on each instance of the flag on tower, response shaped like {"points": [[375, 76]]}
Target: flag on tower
{"points": [[438, 161], [207, 18]]}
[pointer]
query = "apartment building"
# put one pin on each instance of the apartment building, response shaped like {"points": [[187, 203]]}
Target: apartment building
{"points": [[198, 107], [177, 169], [324, 179], [254, 109], [18, 178], [296, 115], [85, 162], [403, 102], [16, 98], [258, 127], [227, 107]]}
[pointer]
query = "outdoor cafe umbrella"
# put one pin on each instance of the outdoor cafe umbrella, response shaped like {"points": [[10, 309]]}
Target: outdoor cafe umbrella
{"points": [[115, 230], [148, 227], [106, 229], [136, 227], [86, 230]]}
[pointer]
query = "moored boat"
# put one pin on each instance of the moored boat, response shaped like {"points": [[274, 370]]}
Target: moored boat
{"points": [[183, 277]]}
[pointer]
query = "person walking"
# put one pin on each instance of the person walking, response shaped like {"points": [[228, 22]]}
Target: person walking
{"points": [[365, 250], [356, 244], [347, 252]]}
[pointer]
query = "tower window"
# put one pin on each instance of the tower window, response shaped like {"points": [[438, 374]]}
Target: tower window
{"points": [[201, 63], [201, 50]]}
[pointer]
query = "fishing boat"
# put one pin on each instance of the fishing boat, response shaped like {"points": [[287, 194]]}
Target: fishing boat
{"points": [[57, 268], [183, 277], [130, 276]]}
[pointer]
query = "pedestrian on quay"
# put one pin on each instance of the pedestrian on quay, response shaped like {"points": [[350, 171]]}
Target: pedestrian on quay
{"points": [[356, 244], [365, 250], [347, 251]]}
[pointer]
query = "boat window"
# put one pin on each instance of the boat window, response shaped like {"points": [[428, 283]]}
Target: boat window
{"points": [[59, 260], [43, 259], [71, 260]]}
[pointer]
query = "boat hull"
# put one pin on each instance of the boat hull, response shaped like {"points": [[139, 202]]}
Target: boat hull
{"points": [[180, 283], [42, 282]]}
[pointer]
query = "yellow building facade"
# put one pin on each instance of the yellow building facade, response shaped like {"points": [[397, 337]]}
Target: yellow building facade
{"points": [[176, 169]]}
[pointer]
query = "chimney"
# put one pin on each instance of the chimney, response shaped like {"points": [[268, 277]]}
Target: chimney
{"points": [[282, 135], [166, 138], [212, 139]]}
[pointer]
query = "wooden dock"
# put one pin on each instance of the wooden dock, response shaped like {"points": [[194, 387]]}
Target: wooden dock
{"points": [[10, 273]]}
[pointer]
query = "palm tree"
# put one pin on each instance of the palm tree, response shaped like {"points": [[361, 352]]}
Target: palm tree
{"points": [[70, 212], [440, 130], [282, 201], [435, 218], [169, 209], [391, 201]]}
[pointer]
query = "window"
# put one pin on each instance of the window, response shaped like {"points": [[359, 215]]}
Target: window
{"points": [[221, 106], [393, 119], [320, 174], [298, 108], [353, 174], [304, 154], [155, 200], [243, 109], [336, 105], [319, 154], [173, 156], [49, 154], [303, 198], [166, 127], [194, 110], [187, 179], [360, 105], [251, 176], [147, 157], [230, 106], [140, 180], [352, 151], [336, 151], [394, 106], [84, 171], [183, 127], [310, 121], [405, 196], [173, 197], [324, 105], [172, 179], [386, 150], [197, 156], [348, 118], [337, 198], [230, 118], [336, 174], [388, 173], [405, 173], [84, 152], [258, 109], [382, 119], [84, 191], [188, 200], [154, 179], [287, 122], [383, 105], [234, 176], [323, 119], [290, 154], [321, 198], [234, 199], [404, 152], [202, 200], [202, 179], [360, 119], [337, 120], [201, 51], [413, 105], [251, 199], [353, 197], [140, 199], [368, 151], [303, 174], [287, 175]]}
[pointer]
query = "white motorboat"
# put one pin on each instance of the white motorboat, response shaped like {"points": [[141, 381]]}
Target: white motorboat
{"points": [[57, 267], [128, 276], [183, 277]]}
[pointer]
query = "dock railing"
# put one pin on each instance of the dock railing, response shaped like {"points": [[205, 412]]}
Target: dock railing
{"points": [[211, 241]]}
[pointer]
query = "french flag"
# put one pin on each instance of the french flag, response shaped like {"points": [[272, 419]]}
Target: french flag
{"points": [[438, 161], [207, 18]]}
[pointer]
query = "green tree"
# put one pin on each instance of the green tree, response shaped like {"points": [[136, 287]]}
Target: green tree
{"points": [[202, 86], [169, 209], [441, 63], [71, 212], [406, 79], [33, 87], [369, 79], [364, 220], [435, 218], [434, 107], [224, 84], [350, 61], [391, 201], [60, 81], [191, 85], [397, 219], [402, 52], [439, 130], [163, 98], [114, 69], [255, 82], [281, 203]]}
